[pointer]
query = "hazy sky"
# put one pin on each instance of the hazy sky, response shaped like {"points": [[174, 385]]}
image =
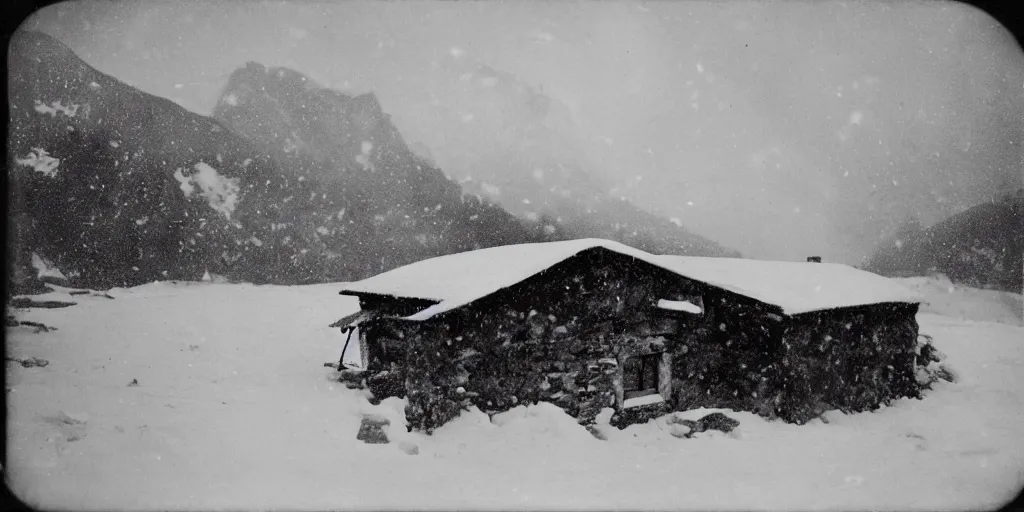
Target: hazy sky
{"points": [[781, 129]]}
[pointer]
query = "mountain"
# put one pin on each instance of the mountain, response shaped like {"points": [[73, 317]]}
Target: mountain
{"points": [[116, 187], [980, 247], [529, 162], [533, 162]]}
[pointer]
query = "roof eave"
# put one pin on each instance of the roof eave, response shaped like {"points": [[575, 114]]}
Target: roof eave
{"points": [[358, 293], [856, 306]]}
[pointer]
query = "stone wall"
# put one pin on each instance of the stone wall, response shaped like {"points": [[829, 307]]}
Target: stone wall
{"points": [[748, 358], [563, 335], [852, 360], [560, 337], [730, 359]]}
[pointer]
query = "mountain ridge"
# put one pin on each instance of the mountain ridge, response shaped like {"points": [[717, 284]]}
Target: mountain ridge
{"points": [[283, 109], [117, 187], [982, 246]]}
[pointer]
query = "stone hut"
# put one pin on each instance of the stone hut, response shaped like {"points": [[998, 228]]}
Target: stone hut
{"points": [[590, 324]]}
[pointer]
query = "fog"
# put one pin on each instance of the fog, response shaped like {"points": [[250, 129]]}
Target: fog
{"points": [[780, 129]]}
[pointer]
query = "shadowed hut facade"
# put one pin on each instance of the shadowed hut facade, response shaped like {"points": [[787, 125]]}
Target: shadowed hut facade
{"points": [[589, 324]]}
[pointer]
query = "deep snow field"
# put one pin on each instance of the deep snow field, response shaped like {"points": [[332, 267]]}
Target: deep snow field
{"points": [[234, 409]]}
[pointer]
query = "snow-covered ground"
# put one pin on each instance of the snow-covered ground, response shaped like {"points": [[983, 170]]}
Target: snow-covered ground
{"points": [[945, 298], [234, 409]]}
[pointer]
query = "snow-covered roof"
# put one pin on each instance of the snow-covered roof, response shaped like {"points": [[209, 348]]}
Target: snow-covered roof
{"points": [[796, 287], [349, 322]]}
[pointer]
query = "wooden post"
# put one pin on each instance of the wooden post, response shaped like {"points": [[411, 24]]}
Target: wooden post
{"points": [[665, 375], [341, 360]]}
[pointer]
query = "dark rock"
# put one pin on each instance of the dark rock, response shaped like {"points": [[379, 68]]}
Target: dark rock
{"points": [[371, 430], [684, 428], [945, 373], [642, 414], [353, 376], [30, 362], [716, 421], [133, 383], [40, 327], [25, 302], [596, 432]]}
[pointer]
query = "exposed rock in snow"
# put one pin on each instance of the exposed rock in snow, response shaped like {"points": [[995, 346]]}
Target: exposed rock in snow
{"points": [[73, 418], [371, 430]]}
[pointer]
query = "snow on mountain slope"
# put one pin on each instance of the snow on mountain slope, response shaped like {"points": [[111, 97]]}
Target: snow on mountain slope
{"points": [[233, 409]]}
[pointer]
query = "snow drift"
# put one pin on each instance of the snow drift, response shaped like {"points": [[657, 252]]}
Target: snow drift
{"points": [[232, 409]]}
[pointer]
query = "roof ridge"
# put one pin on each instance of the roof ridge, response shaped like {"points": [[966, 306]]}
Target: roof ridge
{"points": [[456, 280]]}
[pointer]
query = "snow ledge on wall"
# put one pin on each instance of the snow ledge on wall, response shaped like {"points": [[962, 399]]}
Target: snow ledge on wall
{"points": [[679, 305], [643, 400]]}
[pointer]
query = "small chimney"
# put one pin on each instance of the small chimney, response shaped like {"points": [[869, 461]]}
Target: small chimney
{"points": [[814, 259]]}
